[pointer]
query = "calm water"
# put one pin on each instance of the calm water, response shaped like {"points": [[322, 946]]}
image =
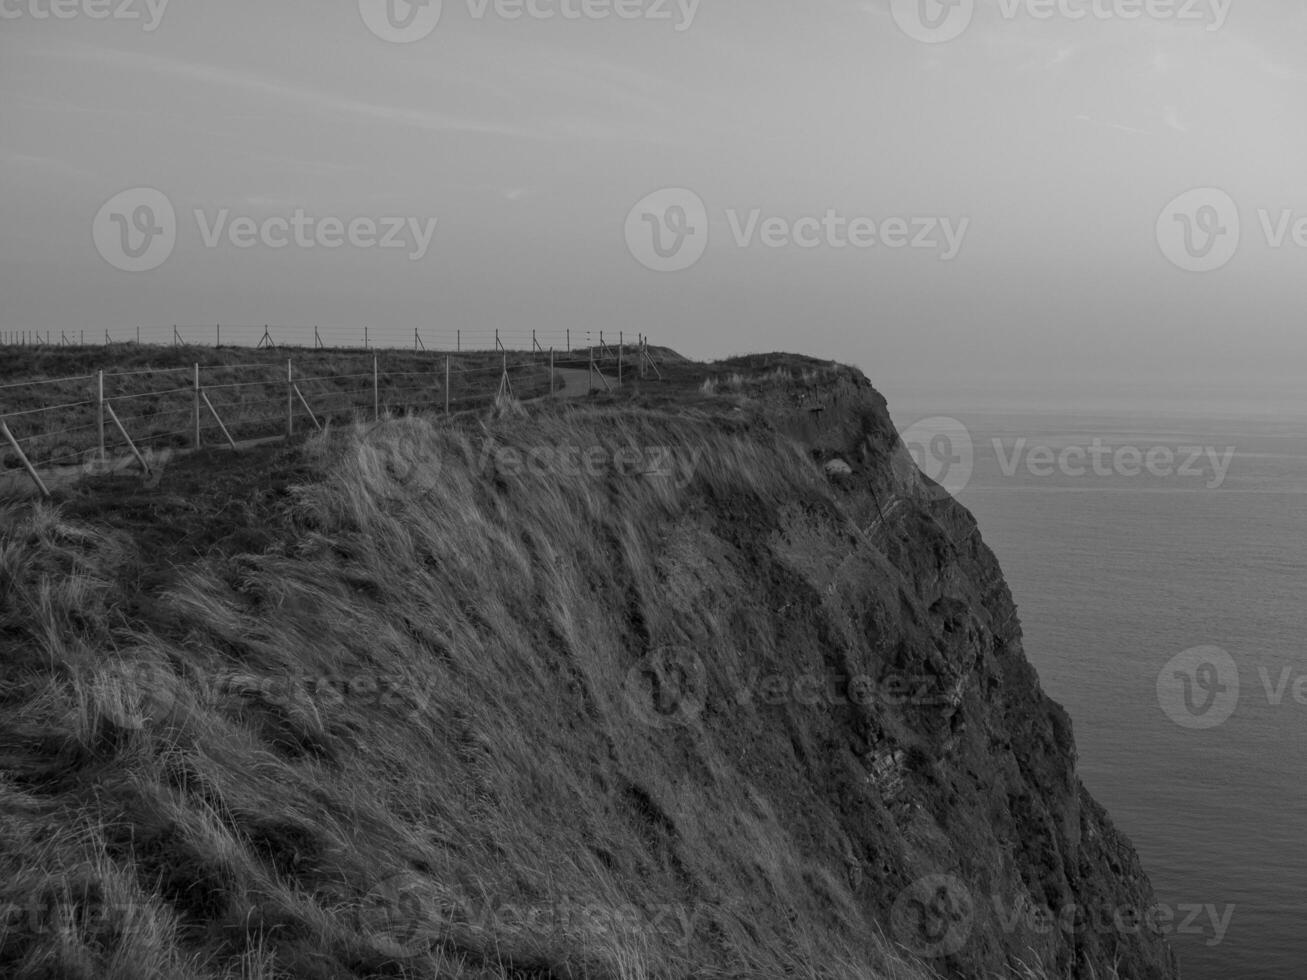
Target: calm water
{"points": [[1117, 574]]}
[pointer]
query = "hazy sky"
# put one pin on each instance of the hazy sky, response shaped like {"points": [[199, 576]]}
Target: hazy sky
{"points": [[1049, 138]]}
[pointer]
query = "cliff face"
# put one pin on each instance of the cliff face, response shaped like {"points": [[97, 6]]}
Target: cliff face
{"points": [[643, 689], [954, 791], [881, 709]]}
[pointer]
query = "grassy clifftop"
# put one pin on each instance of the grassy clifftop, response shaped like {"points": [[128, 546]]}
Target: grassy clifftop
{"points": [[636, 687]]}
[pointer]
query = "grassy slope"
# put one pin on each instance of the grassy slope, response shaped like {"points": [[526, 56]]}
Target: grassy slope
{"points": [[340, 713]]}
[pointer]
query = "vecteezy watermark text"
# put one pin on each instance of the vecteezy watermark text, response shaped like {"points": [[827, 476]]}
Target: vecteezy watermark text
{"points": [[812, 690], [1099, 459], [669, 231], [137, 231], [938, 21], [943, 449], [593, 462], [149, 12], [409, 21], [936, 916]]}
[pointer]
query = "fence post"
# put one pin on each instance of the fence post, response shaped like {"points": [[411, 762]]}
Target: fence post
{"points": [[620, 340], [290, 400], [197, 406], [459, 342], [218, 328], [99, 412], [569, 340], [447, 373], [552, 388], [376, 391]]}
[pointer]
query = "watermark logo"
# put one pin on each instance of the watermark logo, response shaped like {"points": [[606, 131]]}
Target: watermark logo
{"points": [[401, 21], [148, 12], [136, 230], [933, 916], [668, 230], [667, 688], [1199, 688], [1200, 231], [138, 694], [933, 21], [942, 449], [401, 914], [74, 463]]}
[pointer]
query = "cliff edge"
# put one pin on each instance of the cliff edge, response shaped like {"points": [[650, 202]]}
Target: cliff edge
{"points": [[687, 681]]}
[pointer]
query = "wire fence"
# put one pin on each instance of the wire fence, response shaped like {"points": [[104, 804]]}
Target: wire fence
{"points": [[127, 416], [317, 337]]}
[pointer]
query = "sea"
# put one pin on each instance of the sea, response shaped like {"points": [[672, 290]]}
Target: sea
{"points": [[1159, 565]]}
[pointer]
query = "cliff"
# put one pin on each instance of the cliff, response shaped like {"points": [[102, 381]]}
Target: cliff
{"points": [[678, 683]]}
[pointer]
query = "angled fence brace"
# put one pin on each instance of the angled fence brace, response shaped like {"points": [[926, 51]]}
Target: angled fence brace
{"points": [[498, 345], [176, 337], [265, 340], [130, 445], [535, 344], [218, 418], [417, 342], [317, 341], [305, 403], [647, 357], [594, 369], [504, 383], [22, 458]]}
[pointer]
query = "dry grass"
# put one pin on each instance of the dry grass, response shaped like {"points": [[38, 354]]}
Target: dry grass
{"points": [[397, 738]]}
